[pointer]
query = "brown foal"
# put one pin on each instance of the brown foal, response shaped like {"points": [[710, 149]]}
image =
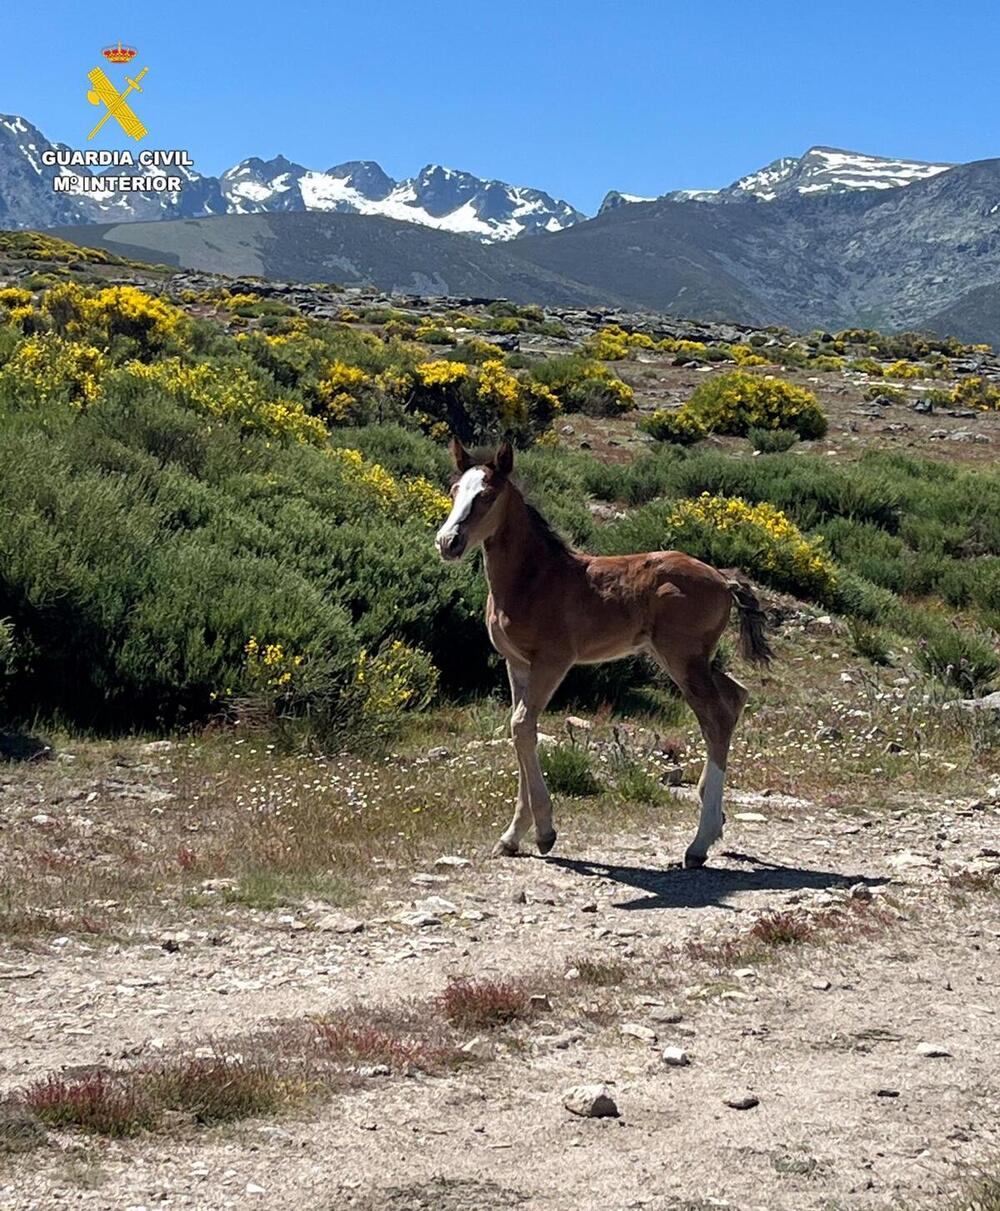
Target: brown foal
{"points": [[550, 607]]}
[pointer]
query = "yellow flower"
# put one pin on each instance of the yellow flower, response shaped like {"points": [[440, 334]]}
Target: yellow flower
{"points": [[441, 373]]}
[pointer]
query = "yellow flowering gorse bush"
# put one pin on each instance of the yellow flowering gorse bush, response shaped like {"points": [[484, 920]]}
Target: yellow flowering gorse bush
{"points": [[230, 393], [47, 367], [782, 547]]}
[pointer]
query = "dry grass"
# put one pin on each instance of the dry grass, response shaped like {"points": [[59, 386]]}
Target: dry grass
{"points": [[600, 973], [105, 1103], [484, 1004], [775, 932]]}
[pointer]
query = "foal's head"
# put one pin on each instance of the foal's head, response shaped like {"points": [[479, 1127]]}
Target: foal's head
{"points": [[480, 495]]}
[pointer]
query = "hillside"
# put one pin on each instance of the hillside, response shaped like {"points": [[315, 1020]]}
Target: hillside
{"points": [[894, 258], [347, 248]]}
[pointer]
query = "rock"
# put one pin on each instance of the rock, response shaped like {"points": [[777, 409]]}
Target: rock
{"points": [[156, 746], [591, 1101], [588, 907], [861, 891], [933, 1051], [924, 405], [331, 923], [374, 1070], [672, 775], [253, 1188], [887, 1093], [821, 985], [571, 973], [675, 1057], [632, 1030], [990, 702], [894, 747], [436, 905], [829, 733], [451, 861], [741, 1101], [668, 1015], [418, 920], [750, 818], [540, 1003], [438, 754], [479, 1048], [425, 880]]}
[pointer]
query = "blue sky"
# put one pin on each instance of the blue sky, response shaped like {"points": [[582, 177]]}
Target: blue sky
{"points": [[573, 96]]}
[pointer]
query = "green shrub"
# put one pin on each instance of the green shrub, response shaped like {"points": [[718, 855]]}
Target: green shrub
{"points": [[870, 642], [959, 659], [736, 402], [772, 441], [680, 426], [568, 770], [582, 384]]}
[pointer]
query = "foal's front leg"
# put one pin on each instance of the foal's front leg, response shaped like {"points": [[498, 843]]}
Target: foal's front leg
{"points": [[510, 840], [531, 697]]}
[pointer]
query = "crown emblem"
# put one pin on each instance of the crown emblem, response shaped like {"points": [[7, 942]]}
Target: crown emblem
{"points": [[119, 53]]}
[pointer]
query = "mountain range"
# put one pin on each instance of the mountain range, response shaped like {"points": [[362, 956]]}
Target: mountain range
{"points": [[831, 238]]}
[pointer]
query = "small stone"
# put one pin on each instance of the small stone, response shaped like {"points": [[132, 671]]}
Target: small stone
{"points": [[591, 1101], [741, 1101], [887, 1093], [451, 861], [439, 753], [540, 1003], [519, 896], [374, 1070], [821, 985], [894, 747], [632, 1030], [933, 1051], [479, 1048], [668, 1015], [588, 907], [41, 819], [572, 973], [861, 891], [253, 1188], [676, 1057]]}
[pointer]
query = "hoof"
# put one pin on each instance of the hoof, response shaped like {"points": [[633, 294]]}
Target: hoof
{"points": [[545, 843], [693, 861], [504, 850]]}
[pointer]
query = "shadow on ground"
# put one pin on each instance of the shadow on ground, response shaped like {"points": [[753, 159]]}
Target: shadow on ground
{"points": [[19, 746], [710, 886]]}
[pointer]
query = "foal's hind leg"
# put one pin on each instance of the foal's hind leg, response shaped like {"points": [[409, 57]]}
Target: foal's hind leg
{"points": [[717, 701]]}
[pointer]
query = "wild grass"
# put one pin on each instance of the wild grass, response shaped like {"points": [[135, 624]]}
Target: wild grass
{"points": [[774, 932], [270, 889], [568, 770], [484, 1004], [599, 972]]}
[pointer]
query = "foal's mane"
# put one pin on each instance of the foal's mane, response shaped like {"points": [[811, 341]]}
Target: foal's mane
{"points": [[552, 540]]}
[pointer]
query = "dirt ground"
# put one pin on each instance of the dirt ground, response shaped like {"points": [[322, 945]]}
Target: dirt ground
{"points": [[825, 1032]]}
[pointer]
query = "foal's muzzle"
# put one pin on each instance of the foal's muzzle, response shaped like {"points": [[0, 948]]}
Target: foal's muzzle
{"points": [[450, 546]]}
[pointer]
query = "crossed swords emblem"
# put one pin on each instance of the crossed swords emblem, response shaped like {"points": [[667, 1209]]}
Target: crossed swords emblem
{"points": [[118, 108]]}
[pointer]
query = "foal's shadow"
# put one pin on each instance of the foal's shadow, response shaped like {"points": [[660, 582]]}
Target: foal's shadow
{"points": [[709, 886]]}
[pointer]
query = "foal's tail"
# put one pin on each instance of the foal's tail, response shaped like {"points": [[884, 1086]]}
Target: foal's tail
{"points": [[753, 641]]}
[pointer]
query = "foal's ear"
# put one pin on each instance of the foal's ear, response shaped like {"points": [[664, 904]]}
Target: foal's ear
{"points": [[462, 457], [504, 459]]}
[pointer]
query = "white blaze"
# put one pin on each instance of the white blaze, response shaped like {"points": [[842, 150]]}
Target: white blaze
{"points": [[469, 487]]}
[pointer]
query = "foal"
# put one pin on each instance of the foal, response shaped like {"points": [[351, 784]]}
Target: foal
{"points": [[550, 607]]}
